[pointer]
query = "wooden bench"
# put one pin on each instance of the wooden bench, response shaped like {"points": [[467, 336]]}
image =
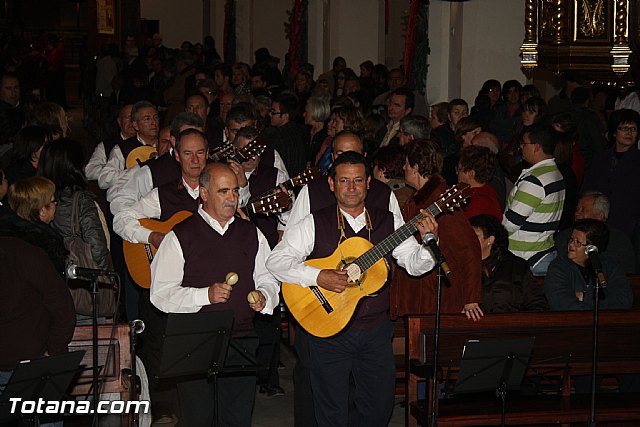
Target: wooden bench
{"points": [[399, 335], [119, 357], [562, 347]]}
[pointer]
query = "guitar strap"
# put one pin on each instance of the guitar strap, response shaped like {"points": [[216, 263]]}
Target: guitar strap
{"points": [[341, 226]]}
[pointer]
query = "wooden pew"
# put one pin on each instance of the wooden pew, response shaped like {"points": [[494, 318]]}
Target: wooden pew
{"points": [[562, 345], [119, 358]]}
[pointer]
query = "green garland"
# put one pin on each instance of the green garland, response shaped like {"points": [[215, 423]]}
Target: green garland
{"points": [[422, 50]]}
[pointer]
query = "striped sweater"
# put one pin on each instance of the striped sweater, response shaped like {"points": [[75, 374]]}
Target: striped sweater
{"points": [[534, 208]]}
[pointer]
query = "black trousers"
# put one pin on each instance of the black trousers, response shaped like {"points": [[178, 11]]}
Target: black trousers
{"points": [[236, 393], [267, 327], [366, 356], [303, 408]]}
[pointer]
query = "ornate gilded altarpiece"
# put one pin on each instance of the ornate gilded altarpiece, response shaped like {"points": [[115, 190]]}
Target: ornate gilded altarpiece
{"points": [[597, 39]]}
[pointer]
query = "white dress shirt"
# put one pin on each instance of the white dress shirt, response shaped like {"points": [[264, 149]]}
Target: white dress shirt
{"points": [[286, 260], [97, 161], [126, 223], [302, 207], [167, 272], [115, 167]]}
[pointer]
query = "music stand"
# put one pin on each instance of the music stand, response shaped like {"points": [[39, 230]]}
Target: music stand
{"points": [[47, 378], [195, 344], [498, 365]]}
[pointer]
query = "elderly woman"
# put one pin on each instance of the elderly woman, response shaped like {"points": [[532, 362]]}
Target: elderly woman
{"points": [[33, 204], [476, 167], [507, 282], [458, 242], [344, 117], [316, 113], [240, 78], [570, 280], [615, 171]]}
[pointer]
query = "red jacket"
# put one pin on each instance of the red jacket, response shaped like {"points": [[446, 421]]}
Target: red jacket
{"points": [[460, 247]]}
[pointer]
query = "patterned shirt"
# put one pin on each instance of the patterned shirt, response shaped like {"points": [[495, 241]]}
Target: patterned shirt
{"points": [[534, 208]]}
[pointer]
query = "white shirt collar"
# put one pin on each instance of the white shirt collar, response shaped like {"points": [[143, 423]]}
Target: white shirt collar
{"points": [[213, 223], [357, 223]]}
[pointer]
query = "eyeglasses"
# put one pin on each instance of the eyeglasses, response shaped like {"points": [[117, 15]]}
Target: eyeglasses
{"points": [[576, 242], [527, 143], [346, 181], [631, 129], [273, 112]]}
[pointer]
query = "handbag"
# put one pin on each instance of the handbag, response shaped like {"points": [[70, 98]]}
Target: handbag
{"points": [[80, 255]]}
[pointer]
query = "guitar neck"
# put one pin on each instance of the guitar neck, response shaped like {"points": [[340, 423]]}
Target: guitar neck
{"points": [[392, 241], [288, 185]]}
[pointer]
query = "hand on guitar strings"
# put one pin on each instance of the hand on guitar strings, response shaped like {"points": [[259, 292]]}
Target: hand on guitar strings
{"points": [[428, 224], [332, 280], [237, 169], [473, 311], [155, 238]]}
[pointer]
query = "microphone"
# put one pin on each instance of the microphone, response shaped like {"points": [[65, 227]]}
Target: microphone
{"points": [[592, 252], [429, 239], [137, 326], [75, 272]]}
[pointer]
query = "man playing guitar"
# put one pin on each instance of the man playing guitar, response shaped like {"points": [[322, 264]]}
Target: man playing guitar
{"points": [[363, 349]]}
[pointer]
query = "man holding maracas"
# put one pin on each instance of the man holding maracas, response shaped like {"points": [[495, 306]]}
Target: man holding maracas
{"points": [[214, 261]]}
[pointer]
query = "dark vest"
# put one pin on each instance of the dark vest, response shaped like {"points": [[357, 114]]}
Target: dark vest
{"points": [[164, 169], [209, 257], [370, 309], [268, 157], [320, 195], [175, 198], [110, 143], [264, 179], [128, 145]]}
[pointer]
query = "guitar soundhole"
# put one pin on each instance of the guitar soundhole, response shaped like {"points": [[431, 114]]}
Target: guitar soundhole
{"points": [[343, 265]]}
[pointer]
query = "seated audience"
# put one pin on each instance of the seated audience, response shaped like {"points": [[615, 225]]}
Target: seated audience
{"points": [[594, 205], [570, 280], [476, 167], [507, 282]]}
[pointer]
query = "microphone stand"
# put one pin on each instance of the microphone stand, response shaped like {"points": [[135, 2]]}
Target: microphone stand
{"points": [[134, 330], [600, 284], [94, 345], [436, 339]]}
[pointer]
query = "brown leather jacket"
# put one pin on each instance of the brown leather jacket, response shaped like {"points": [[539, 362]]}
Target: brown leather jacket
{"points": [[460, 247]]}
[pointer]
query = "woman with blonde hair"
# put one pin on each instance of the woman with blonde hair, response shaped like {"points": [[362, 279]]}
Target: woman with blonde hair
{"points": [[33, 206]]}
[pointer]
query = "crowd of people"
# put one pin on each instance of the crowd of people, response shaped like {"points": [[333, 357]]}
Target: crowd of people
{"points": [[546, 179]]}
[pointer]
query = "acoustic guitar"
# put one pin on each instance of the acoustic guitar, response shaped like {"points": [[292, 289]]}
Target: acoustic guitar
{"points": [[140, 155], [240, 155], [324, 313], [276, 200], [139, 256]]}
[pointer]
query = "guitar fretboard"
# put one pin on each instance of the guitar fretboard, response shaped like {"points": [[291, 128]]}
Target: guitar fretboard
{"points": [[374, 254]]}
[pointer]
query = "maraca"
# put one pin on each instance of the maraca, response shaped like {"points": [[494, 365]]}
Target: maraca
{"points": [[253, 297], [231, 279]]}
